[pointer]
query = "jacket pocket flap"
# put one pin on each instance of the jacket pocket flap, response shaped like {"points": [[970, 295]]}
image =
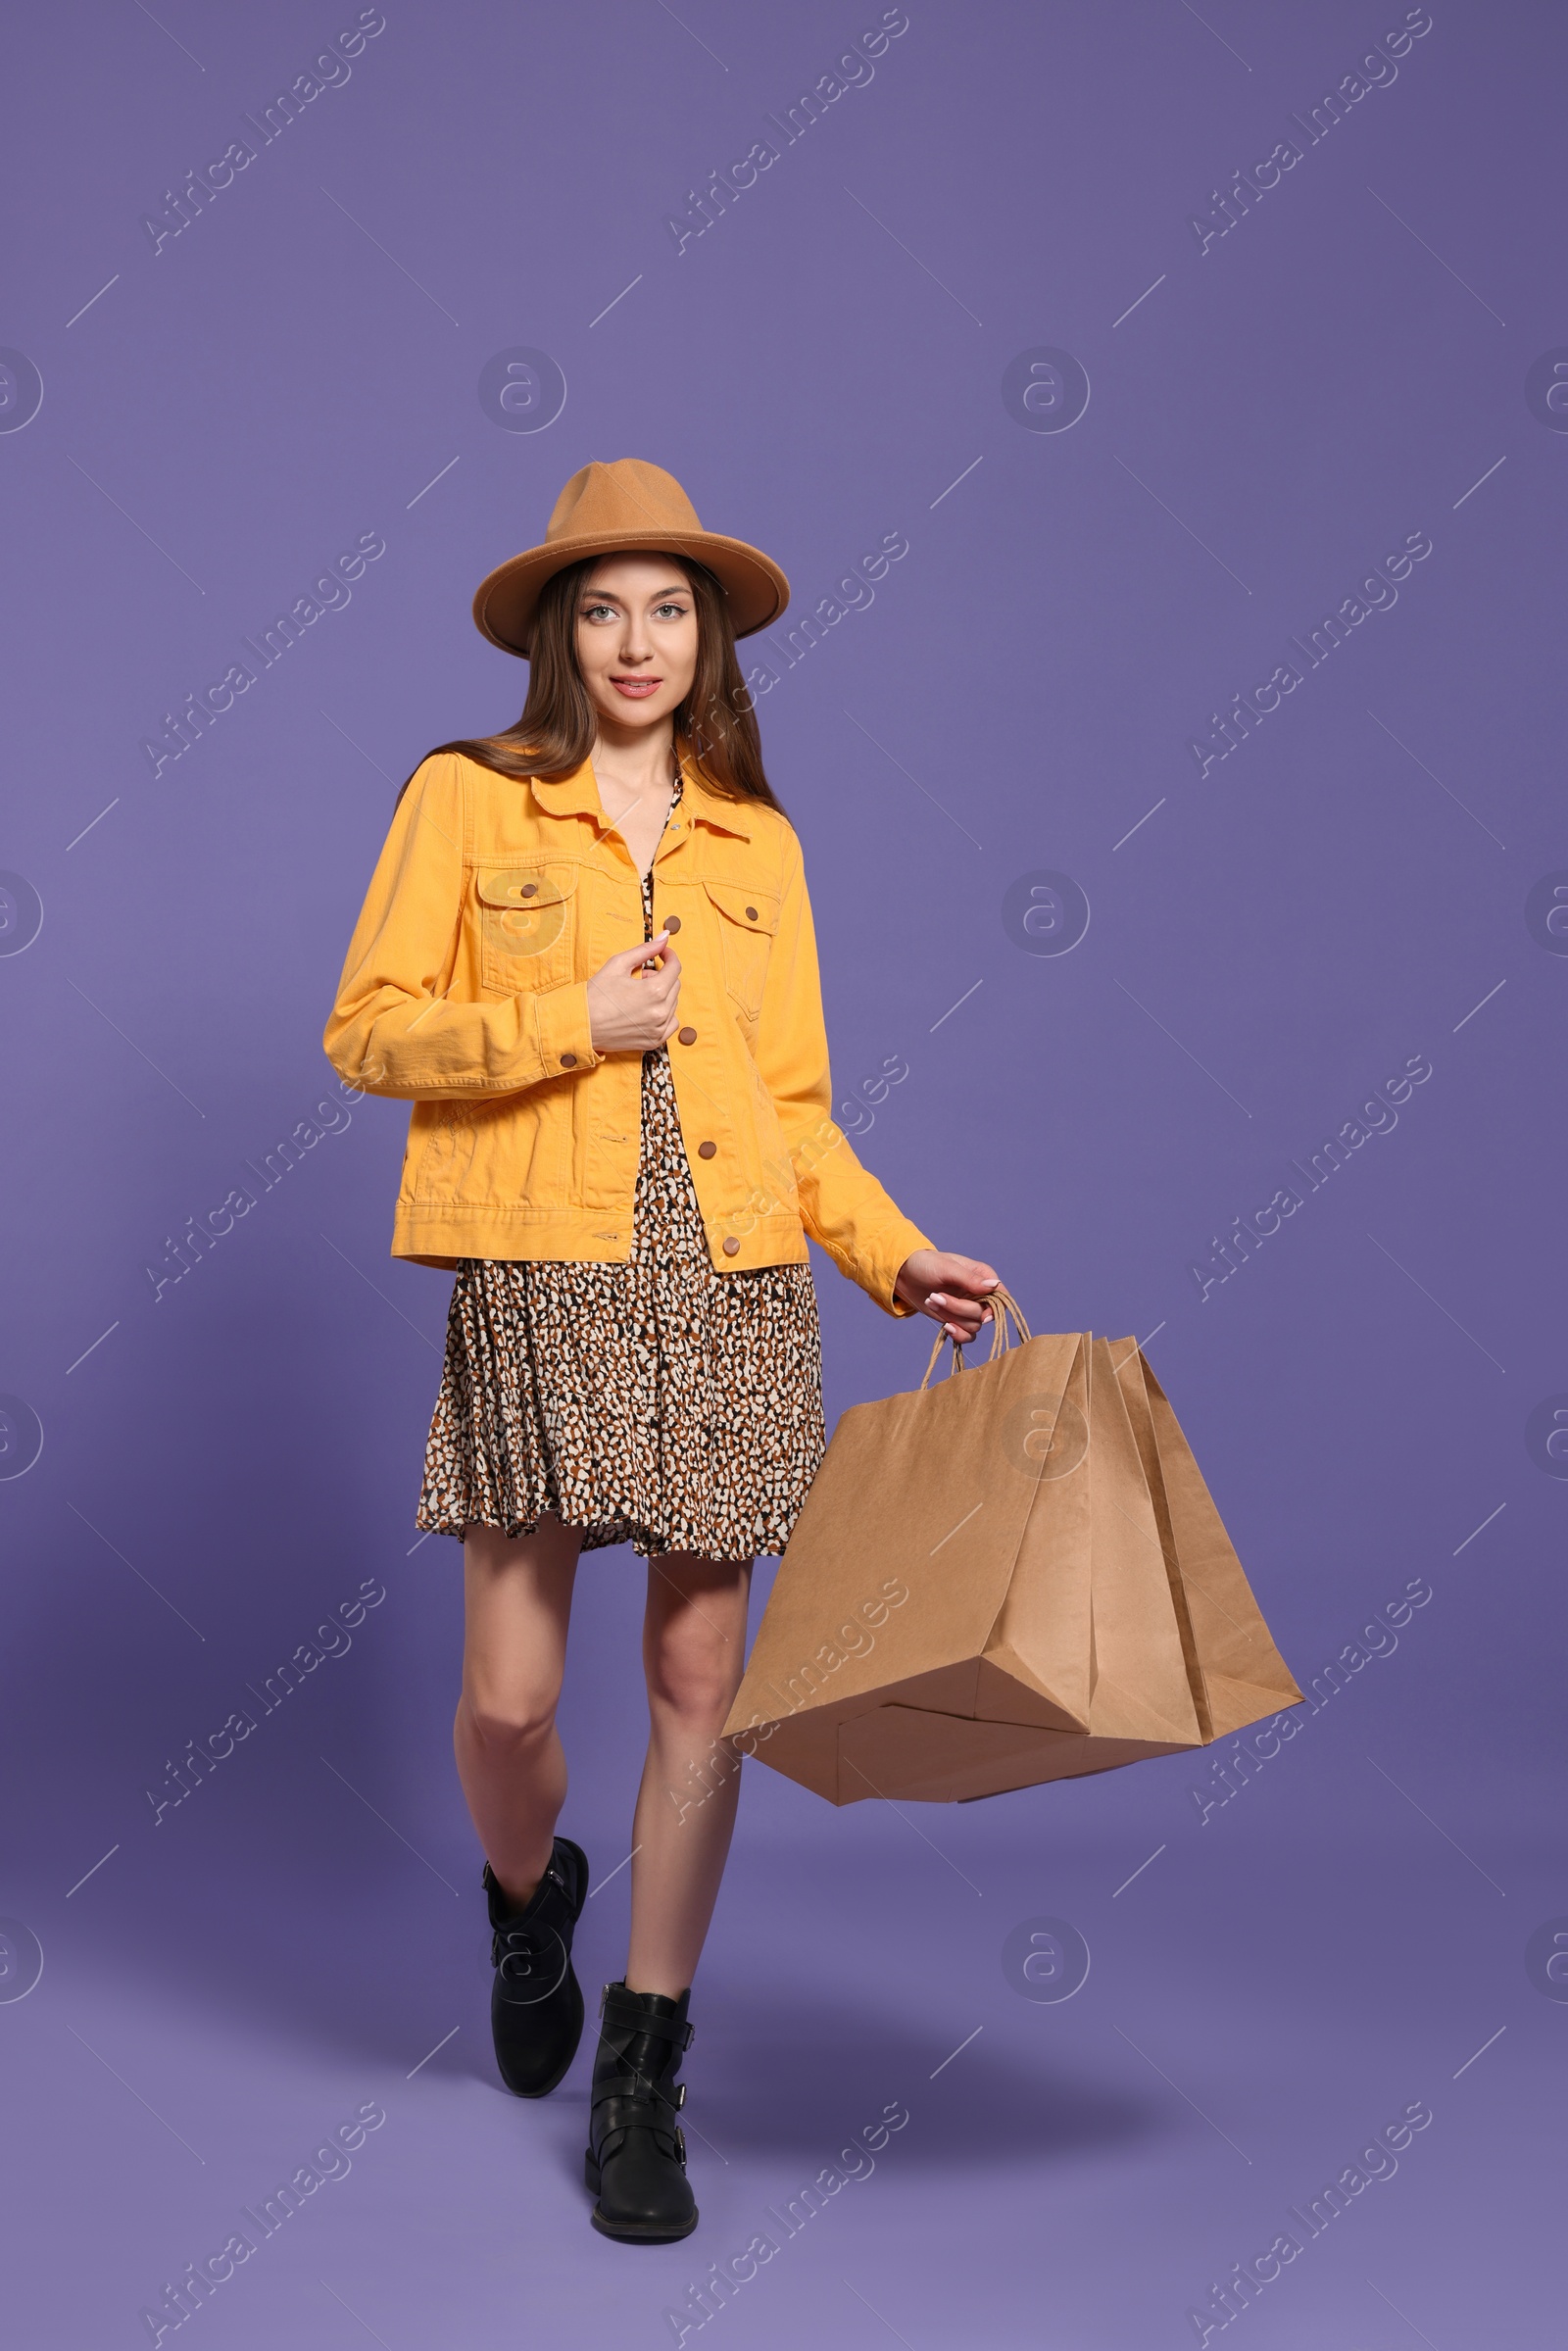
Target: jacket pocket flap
{"points": [[525, 886], [753, 909]]}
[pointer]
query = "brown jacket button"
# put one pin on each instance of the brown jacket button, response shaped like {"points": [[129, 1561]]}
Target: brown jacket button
{"points": [[731, 1246], [568, 1060], [672, 922], [687, 1035], [751, 913], [705, 1151], [530, 889]]}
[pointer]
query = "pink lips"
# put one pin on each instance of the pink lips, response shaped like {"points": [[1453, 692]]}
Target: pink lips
{"points": [[636, 689]]}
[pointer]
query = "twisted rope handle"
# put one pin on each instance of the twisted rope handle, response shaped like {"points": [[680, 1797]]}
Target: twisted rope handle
{"points": [[1004, 1307]]}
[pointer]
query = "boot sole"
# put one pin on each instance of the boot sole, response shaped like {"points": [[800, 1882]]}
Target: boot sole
{"points": [[634, 2232]]}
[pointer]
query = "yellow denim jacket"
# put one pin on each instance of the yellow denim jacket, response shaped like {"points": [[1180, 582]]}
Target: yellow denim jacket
{"points": [[464, 990]]}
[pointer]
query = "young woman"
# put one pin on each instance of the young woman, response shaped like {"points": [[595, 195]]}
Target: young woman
{"points": [[587, 958]]}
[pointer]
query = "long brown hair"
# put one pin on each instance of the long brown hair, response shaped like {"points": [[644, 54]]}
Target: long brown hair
{"points": [[715, 726]]}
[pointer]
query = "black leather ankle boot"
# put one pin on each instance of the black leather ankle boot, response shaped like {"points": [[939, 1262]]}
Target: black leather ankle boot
{"points": [[636, 2160], [536, 2001]]}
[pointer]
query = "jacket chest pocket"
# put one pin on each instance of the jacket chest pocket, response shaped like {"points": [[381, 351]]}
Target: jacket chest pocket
{"points": [[527, 915], [746, 920]]}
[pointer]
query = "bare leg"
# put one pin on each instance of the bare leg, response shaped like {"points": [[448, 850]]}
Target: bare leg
{"points": [[517, 1605], [693, 1653]]}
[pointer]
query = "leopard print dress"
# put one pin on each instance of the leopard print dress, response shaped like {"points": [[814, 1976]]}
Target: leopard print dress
{"points": [[656, 1404]]}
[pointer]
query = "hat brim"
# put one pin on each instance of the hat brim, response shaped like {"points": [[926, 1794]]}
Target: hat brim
{"points": [[506, 602]]}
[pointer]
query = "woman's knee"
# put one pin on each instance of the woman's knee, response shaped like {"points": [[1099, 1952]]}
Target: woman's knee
{"points": [[509, 1719], [694, 1673]]}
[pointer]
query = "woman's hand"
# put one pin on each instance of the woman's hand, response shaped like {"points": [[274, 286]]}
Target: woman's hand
{"points": [[951, 1290], [631, 1011]]}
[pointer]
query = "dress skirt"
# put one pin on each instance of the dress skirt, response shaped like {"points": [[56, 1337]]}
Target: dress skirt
{"points": [[656, 1402]]}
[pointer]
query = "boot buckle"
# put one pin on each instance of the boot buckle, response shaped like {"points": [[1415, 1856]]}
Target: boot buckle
{"points": [[680, 2097]]}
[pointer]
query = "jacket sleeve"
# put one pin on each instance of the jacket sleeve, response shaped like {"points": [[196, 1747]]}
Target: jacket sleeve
{"points": [[842, 1207], [393, 1030]]}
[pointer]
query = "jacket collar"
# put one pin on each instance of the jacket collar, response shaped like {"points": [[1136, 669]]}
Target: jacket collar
{"points": [[707, 808], [577, 795]]}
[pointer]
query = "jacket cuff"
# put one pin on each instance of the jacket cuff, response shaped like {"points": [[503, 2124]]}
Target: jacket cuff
{"points": [[885, 1262], [562, 1027]]}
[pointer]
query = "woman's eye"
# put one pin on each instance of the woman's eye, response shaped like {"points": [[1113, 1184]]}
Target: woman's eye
{"points": [[592, 612], [673, 610]]}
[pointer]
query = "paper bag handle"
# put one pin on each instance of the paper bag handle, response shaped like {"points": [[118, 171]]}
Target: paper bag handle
{"points": [[1002, 1305]]}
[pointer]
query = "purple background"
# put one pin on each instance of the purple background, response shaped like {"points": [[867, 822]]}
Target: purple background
{"points": [[1268, 418]]}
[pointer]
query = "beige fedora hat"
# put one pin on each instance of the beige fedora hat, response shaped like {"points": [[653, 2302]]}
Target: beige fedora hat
{"points": [[610, 509]]}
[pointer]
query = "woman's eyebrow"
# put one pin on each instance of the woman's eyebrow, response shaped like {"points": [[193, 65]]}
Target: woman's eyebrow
{"points": [[607, 596]]}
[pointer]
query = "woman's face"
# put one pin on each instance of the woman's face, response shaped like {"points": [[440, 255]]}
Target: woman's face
{"points": [[636, 636]]}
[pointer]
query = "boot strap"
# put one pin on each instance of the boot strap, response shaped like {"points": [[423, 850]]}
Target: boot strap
{"points": [[640, 2089], [613, 2117], [513, 1940], [623, 2012]]}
